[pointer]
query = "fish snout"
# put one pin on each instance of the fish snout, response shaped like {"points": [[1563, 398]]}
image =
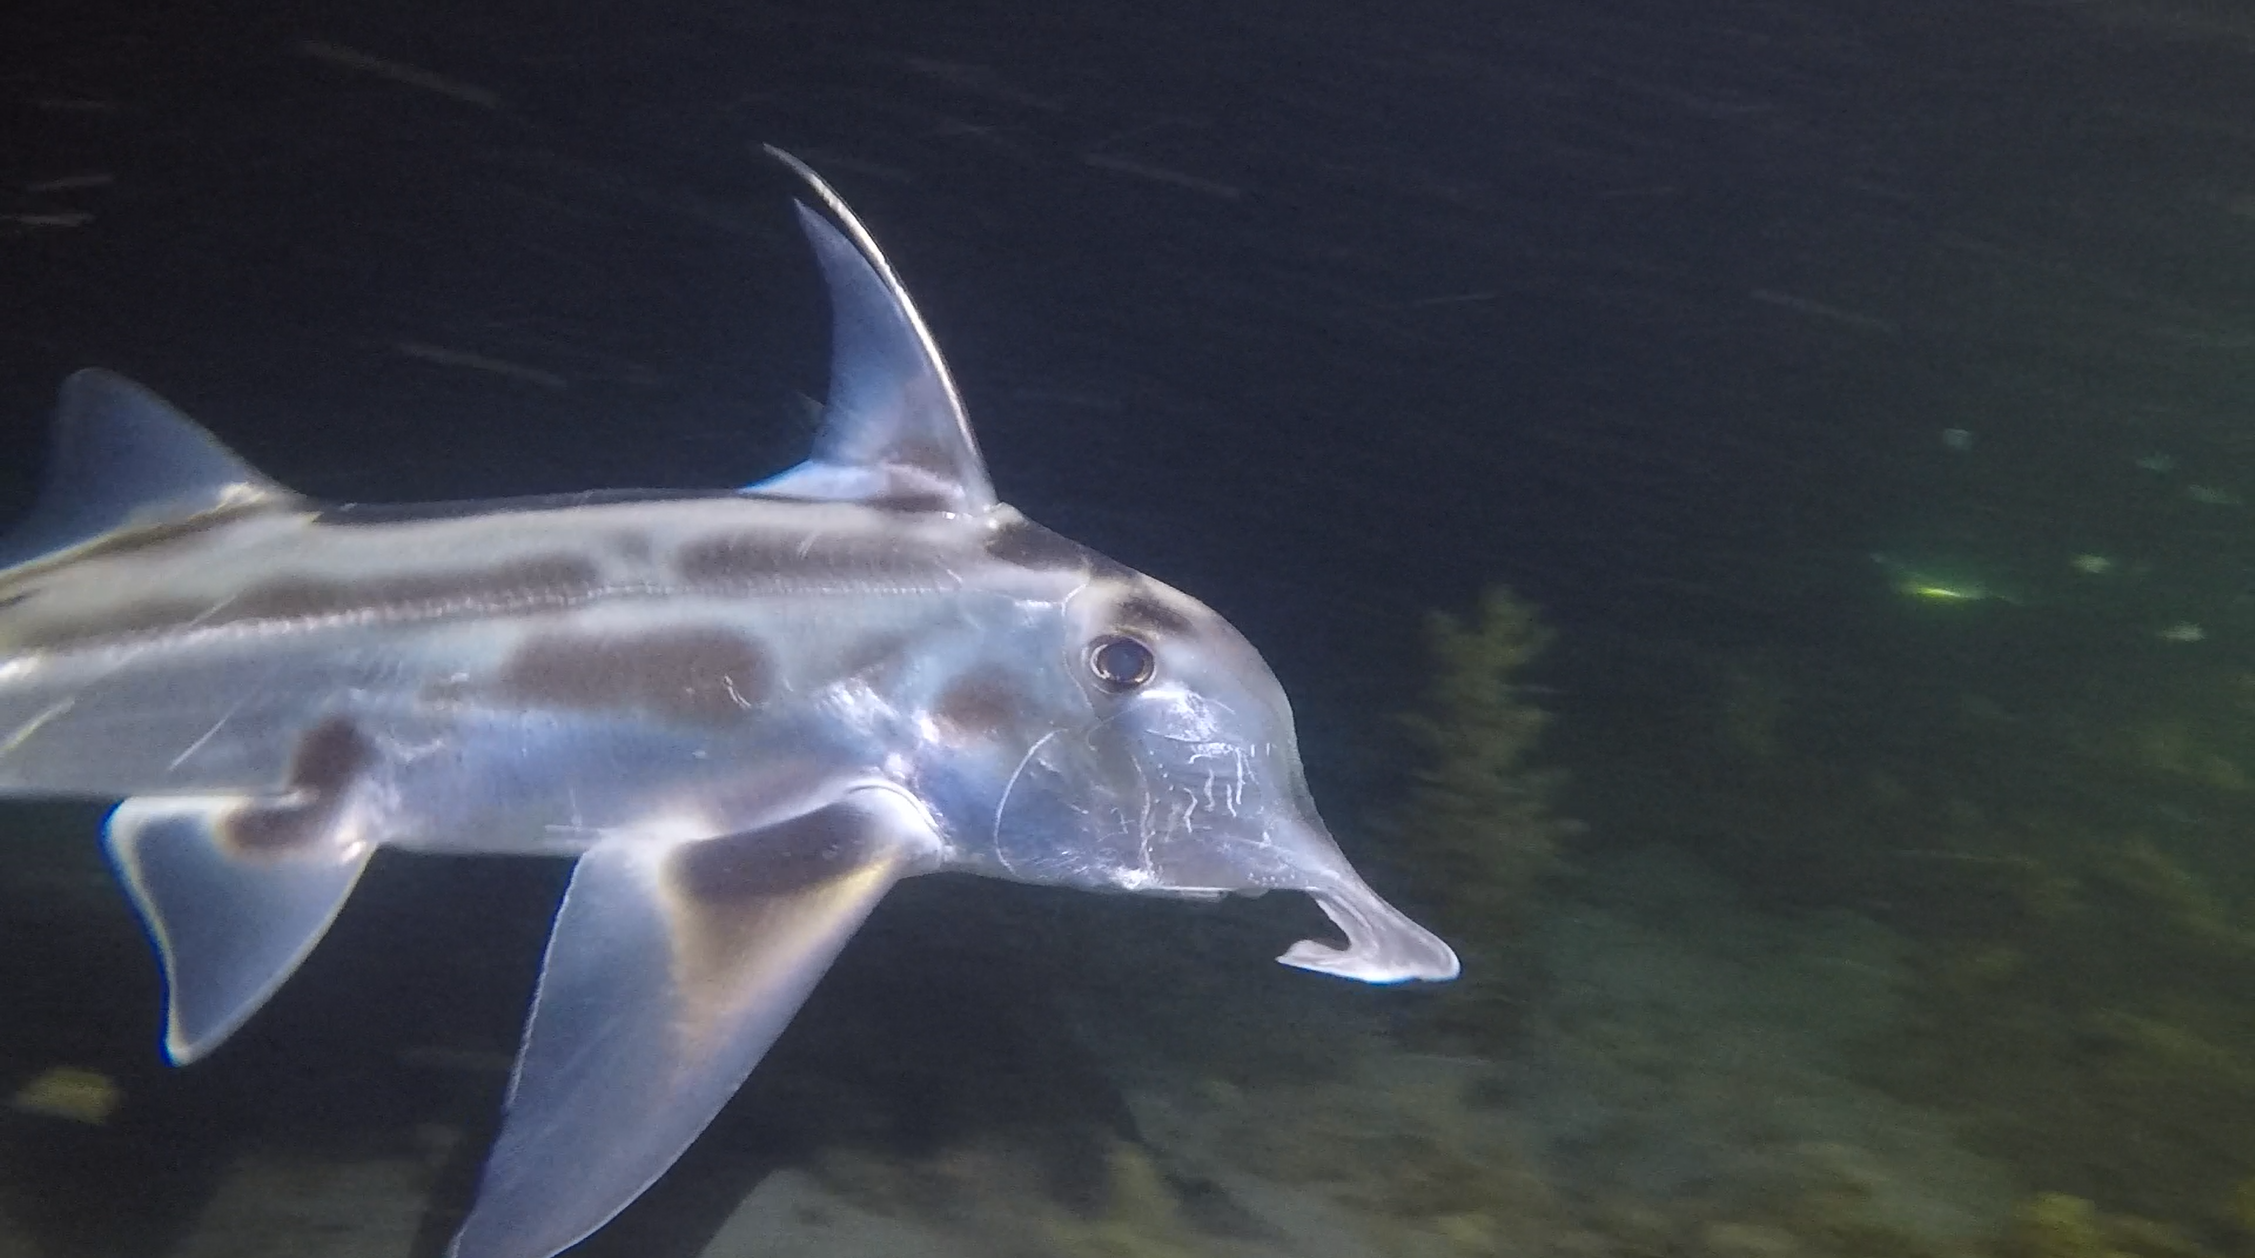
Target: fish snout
{"points": [[1383, 944]]}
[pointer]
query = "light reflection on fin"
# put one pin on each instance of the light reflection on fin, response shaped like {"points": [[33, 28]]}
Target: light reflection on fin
{"points": [[235, 892], [894, 432], [122, 458], [672, 968]]}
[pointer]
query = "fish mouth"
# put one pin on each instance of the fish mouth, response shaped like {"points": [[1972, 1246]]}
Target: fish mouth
{"points": [[1383, 944]]}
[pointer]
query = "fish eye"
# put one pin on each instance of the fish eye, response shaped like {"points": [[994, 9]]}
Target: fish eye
{"points": [[1121, 662]]}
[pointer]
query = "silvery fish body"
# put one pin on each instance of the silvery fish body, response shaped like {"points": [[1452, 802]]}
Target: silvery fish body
{"points": [[747, 713]]}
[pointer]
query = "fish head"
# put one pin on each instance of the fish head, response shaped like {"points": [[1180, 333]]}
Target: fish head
{"points": [[1164, 761], [1091, 727]]}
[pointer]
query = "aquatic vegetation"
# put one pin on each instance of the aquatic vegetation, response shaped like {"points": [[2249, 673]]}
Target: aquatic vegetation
{"points": [[2056, 1225], [1477, 821], [2195, 730], [2097, 1035], [1416, 1153], [1476, 825], [1000, 1191], [1141, 1217], [1461, 1198], [2171, 746]]}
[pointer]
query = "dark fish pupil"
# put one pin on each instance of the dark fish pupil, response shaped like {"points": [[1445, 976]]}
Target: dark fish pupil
{"points": [[1121, 663]]}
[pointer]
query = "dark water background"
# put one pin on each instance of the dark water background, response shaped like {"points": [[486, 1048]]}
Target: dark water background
{"points": [[1668, 316]]}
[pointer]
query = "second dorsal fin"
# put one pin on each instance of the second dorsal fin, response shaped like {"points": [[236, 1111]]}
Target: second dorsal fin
{"points": [[122, 459], [894, 432]]}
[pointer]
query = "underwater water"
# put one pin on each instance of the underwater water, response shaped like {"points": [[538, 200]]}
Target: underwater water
{"points": [[1750, 502]]}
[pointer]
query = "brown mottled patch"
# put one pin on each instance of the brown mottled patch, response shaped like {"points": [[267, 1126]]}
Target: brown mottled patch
{"points": [[745, 905], [981, 705], [733, 557], [752, 557], [328, 757], [296, 598], [1029, 545], [734, 871], [699, 674], [302, 598], [1143, 612]]}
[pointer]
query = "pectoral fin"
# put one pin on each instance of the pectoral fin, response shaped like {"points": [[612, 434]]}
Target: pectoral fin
{"points": [[235, 891], [672, 968]]}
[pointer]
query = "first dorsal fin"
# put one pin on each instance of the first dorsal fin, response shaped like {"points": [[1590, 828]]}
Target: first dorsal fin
{"points": [[123, 458], [894, 432]]}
